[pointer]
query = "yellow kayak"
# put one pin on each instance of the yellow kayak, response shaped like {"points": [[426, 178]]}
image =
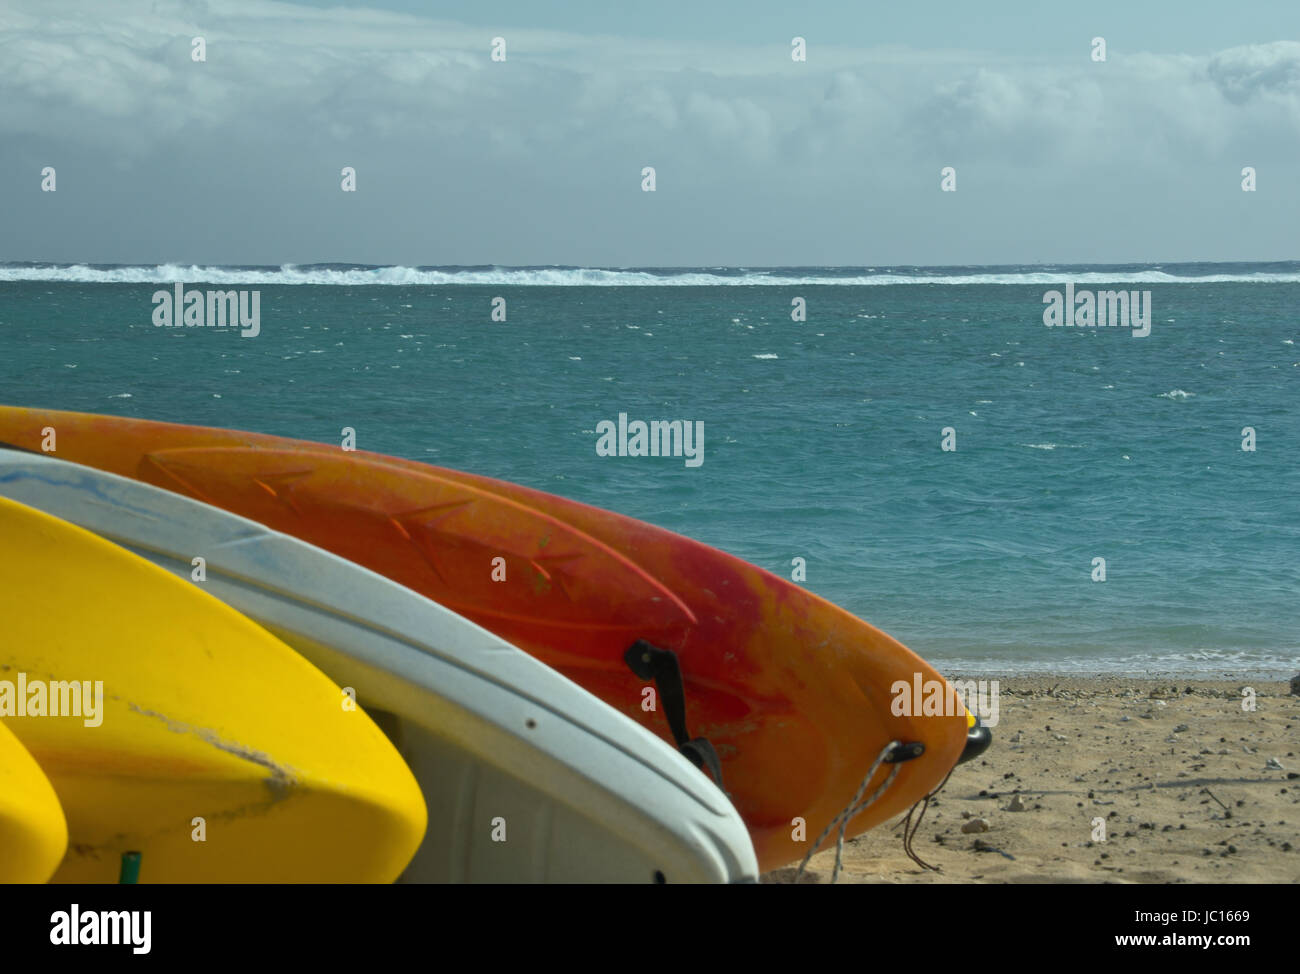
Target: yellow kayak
{"points": [[33, 833], [173, 727]]}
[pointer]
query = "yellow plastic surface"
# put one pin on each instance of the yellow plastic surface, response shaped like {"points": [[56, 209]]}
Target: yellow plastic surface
{"points": [[221, 755]]}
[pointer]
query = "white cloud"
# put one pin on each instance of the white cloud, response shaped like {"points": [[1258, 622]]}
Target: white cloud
{"points": [[306, 89], [1242, 73]]}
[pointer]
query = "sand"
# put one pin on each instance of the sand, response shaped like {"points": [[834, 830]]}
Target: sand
{"points": [[1180, 774]]}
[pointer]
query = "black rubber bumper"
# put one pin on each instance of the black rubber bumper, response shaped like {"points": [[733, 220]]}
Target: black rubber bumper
{"points": [[978, 739]]}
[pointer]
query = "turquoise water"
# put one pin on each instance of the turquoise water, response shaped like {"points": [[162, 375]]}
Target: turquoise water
{"points": [[822, 438]]}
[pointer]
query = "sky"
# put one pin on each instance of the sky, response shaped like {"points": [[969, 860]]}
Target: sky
{"points": [[759, 160]]}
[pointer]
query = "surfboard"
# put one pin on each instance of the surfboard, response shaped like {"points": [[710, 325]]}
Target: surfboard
{"points": [[33, 832], [173, 727], [503, 747], [796, 696]]}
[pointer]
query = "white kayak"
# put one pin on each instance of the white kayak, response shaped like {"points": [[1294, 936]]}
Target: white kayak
{"points": [[527, 776]]}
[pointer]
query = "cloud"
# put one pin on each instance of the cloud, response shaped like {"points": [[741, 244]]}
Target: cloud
{"points": [[561, 129], [116, 77], [1258, 70]]}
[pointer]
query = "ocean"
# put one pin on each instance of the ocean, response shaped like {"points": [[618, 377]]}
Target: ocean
{"points": [[823, 438]]}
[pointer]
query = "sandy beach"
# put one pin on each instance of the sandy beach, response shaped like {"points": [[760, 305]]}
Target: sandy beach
{"points": [[1186, 780]]}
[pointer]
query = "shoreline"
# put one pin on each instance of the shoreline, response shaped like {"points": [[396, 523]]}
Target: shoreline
{"points": [[1176, 769]]}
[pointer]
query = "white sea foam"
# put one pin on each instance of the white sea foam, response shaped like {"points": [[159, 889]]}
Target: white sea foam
{"points": [[1191, 664], [1176, 394], [593, 276]]}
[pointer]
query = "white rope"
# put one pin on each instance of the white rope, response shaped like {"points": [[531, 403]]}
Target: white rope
{"points": [[850, 811]]}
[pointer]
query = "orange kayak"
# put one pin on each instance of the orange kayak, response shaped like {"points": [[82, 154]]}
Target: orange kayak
{"points": [[792, 693]]}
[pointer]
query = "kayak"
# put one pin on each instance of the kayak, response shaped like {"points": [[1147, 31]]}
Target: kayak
{"points": [[182, 739], [33, 832], [791, 693], [583, 794]]}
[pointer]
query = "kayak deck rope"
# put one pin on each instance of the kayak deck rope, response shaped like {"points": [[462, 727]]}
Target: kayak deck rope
{"points": [[910, 829], [853, 808]]}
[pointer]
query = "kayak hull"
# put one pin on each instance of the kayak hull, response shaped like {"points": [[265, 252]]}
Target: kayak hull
{"points": [[796, 695], [197, 739], [582, 794], [33, 831]]}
